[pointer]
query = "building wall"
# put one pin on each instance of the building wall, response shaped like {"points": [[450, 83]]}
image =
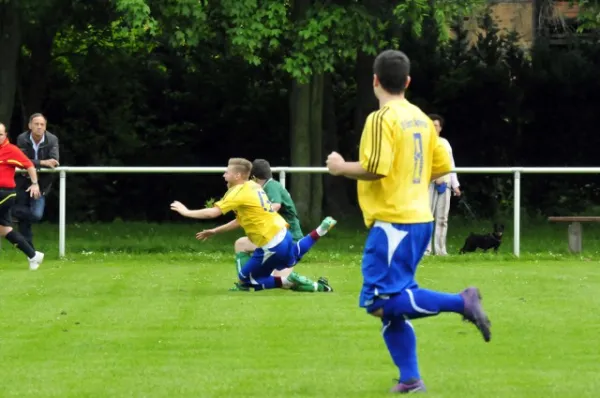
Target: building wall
{"points": [[518, 15]]}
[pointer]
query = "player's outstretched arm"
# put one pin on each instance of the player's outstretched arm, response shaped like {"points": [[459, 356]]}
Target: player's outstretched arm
{"points": [[230, 226], [207, 233], [180, 208]]}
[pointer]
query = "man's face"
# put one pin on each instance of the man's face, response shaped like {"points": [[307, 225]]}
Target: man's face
{"points": [[231, 176], [37, 126], [2, 134], [438, 127]]}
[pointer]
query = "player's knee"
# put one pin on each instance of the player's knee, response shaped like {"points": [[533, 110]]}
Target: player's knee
{"points": [[376, 309], [243, 278], [243, 245]]}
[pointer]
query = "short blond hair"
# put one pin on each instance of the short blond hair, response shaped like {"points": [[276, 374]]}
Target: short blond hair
{"points": [[242, 166]]}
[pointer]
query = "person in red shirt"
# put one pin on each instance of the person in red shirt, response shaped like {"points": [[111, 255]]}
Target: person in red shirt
{"points": [[12, 157]]}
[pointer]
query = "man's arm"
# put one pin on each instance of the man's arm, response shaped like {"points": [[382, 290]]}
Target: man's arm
{"points": [[53, 155], [355, 171], [201, 214], [230, 226], [375, 155]]}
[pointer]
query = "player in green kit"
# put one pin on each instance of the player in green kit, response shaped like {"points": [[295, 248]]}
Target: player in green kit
{"points": [[281, 202], [280, 198]]}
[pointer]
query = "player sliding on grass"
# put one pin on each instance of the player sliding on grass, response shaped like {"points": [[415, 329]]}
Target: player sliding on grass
{"points": [[399, 156], [265, 228], [281, 202]]}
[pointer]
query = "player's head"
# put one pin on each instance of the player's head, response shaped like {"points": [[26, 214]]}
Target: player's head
{"points": [[391, 71], [438, 122], [3, 133], [238, 171], [261, 169]]}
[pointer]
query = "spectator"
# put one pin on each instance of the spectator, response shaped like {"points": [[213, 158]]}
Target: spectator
{"points": [[41, 147], [439, 196]]}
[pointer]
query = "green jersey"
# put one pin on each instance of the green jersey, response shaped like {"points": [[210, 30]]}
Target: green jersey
{"points": [[278, 194]]}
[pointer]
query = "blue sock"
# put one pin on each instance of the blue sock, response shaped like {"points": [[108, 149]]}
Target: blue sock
{"points": [[419, 303], [305, 244], [399, 336]]}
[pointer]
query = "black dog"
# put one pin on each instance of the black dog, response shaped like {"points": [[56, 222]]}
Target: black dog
{"points": [[485, 242]]}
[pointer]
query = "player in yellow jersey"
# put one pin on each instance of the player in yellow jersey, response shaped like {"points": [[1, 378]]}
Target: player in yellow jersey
{"points": [[399, 155], [276, 249]]}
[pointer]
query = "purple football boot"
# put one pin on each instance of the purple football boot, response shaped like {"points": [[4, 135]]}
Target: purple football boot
{"points": [[474, 312], [403, 388]]}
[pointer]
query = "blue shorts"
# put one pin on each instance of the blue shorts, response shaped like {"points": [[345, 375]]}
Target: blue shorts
{"points": [[264, 261], [392, 253]]}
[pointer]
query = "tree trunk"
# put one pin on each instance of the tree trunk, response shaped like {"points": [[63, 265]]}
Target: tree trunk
{"points": [[366, 100], [10, 43], [316, 146], [306, 114], [300, 147], [336, 195]]}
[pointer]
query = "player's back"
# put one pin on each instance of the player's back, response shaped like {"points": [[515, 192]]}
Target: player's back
{"points": [[278, 194], [399, 142], [255, 214]]}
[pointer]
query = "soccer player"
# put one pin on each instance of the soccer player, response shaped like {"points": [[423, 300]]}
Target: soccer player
{"points": [[265, 228], [12, 157], [399, 155], [281, 202]]}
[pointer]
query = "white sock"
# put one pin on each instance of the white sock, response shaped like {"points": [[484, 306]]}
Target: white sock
{"points": [[285, 284], [321, 231]]}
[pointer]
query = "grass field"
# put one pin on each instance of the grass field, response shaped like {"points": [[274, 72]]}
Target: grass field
{"points": [[138, 310]]}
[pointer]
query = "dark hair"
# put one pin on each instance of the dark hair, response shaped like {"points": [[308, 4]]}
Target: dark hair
{"points": [[392, 68], [261, 169], [37, 115], [435, 116]]}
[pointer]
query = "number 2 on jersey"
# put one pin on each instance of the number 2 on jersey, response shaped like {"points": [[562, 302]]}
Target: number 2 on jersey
{"points": [[418, 158], [264, 201]]}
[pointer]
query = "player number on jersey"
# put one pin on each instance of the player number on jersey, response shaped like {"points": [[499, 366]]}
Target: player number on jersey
{"points": [[418, 158], [264, 201]]}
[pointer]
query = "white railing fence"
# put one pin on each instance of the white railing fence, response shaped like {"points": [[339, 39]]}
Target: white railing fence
{"points": [[517, 172]]}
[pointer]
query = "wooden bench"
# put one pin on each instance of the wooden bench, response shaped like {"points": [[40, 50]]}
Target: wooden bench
{"points": [[575, 230]]}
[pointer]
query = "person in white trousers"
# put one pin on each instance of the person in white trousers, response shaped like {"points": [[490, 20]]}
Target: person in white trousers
{"points": [[439, 195]]}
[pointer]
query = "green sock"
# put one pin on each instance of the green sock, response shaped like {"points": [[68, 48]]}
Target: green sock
{"points": [[241, 258], [305, 287], [302, 283]]}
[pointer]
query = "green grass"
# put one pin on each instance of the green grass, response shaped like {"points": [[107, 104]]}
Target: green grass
{"points": [[140, 310]]}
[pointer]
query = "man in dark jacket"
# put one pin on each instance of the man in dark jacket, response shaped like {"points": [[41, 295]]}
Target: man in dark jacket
{"points": [[41, 147]]}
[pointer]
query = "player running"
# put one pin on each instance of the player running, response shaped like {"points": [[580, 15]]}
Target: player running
{"points": [[12, 157], [399, 156], [265, 228]]}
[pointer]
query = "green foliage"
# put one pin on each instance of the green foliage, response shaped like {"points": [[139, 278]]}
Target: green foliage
{"points": [[183, 22], [589, 14]]}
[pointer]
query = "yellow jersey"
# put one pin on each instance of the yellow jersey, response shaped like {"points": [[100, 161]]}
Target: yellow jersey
{"points": [[253, 211], [400, 143]]}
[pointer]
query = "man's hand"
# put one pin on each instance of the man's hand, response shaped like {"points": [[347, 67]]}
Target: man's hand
{"points": [[51, 163], [335, 163], [180, 208], [457, 192], [204, 235], [34, 191]]}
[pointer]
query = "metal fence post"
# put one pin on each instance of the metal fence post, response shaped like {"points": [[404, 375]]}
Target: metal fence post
{"points": [[282, 178], [517, 213], [62, 210]]}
